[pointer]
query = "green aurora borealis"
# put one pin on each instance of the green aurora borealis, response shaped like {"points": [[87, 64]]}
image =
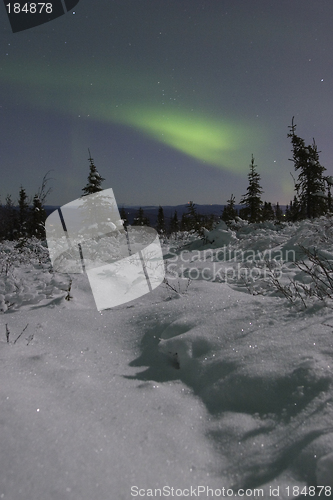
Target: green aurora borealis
{"points": [[201, 135]]}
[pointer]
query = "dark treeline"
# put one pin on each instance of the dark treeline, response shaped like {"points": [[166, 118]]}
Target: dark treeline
{"points": [[312, 199], [189, 220], [26, 217]]}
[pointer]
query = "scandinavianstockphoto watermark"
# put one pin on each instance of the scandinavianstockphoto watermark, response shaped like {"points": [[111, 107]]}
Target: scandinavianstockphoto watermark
{"points": [[227, 265], [227, 254], [220, 273]]}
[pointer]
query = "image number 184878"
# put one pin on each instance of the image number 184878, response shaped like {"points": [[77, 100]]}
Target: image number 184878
{"points": [[24, 15], [31, 8]]}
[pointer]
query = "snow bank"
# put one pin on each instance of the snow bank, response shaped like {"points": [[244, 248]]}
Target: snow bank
{"points": [[219, 236], [198, 383], [26, 276]]}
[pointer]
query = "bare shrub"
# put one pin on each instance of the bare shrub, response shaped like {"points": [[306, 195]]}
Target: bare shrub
{"points": [[320, 271]]}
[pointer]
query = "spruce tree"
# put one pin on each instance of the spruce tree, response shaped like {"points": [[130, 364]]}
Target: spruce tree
{"points": [[97, 213], [244, 213], [229, 212], [174, 223], [252, 200], [294, 211], [94, 179], [37, 218], [23, 213], [287, 213], [310, 185], [140, 219], [193, 218], [268, 211], [208, 221], [184, 223], [278, 213], [160, 221]]}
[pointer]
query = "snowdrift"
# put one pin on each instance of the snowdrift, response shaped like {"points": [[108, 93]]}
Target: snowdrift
{"points": [[213, 379]]}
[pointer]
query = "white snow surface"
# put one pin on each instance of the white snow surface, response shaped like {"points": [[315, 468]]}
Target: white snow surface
{"points": [[216, 383]]}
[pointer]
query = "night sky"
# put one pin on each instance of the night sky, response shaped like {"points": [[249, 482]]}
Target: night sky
{"points": [[171, 96]]}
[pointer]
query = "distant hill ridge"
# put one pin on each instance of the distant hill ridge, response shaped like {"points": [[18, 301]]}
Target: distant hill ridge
{"points": [[151, 211]]}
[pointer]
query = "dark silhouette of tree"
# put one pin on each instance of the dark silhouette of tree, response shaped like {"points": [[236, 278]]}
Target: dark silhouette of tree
{"points": [[160, 221], [267, 211], [191, 220], [287, 213], [193, 216], [23, 214], [310, 185], [37, 218], [244, 213], [184, 223], [123, 216], [279, 216], [174, 223], [252, 200], [208, 221], [24, 220], [140, 219], [94, 179], [329, 198], [229, 212], [295, 211]]}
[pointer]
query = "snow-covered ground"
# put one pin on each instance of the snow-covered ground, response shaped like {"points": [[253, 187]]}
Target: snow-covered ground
{"points": [[204, 388]]}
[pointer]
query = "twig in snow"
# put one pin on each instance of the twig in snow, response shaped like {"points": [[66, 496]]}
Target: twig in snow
{"points": [[21, 333], [174, 289], [7, 333]]}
